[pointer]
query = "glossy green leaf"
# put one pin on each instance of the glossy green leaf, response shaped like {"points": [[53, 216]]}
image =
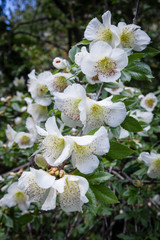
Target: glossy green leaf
{"points": [[131, 124], [99, 177], [104, 194], [119, 151]]}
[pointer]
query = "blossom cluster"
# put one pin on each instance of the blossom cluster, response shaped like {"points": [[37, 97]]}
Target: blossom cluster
{"points": [[89, 120]]}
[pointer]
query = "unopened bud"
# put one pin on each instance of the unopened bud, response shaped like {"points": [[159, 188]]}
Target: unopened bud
{"points": [[40, 161], [61, 173]]}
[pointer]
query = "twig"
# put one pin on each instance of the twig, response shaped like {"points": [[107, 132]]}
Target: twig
{"points": [[118, 175], [75, 223], [136, 14], [100, 91]]}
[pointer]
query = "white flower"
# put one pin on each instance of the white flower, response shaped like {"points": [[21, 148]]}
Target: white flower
{"points": [[11, 134], [19, 95], [23, 109], [80, 55], [19, 81], [37, 86], [144, 132], [14, 197], [85, 149], [143, 116], [152, 160], [31, 126], [104, 62], [59, 63], [59, 81], [103, 112], [149, 102], [106, 32], [132, 37], [123, 133], [38, 112], [72, 190], [117, 90], [72, 104], [130, 90], [55, 148], [24, 140], [18, 120], [156, 199], [37, 184]]}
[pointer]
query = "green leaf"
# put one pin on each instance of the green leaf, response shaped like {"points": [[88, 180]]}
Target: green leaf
{"points": [[117, 98], [15, 106], [91, 88], [104, 194], [92, 201], [83, 42], [110, 85], [135, 56], [125, 76], [26, 218], [72, 52], [139, 71], [93, 131], [131, 124], [7, 221], [119, 151], [99, 177], [116, 131], [150, 52]]}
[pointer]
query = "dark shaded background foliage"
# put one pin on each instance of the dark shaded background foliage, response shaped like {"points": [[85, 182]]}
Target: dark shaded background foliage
{"points": [[30, 37]]}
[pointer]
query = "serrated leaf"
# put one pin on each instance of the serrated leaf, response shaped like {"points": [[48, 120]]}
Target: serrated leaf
{"points": [[131, 124], [26, 218], [150, 52], [135, 56], [92, 201], [104, 194], [72, 52], [139, 71], [125, 76], [99, 177], [119, 151]]}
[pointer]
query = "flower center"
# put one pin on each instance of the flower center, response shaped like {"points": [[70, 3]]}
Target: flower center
{"points": [[95, 78], [70, 198], [127, 37], [61, 83], [20, 196], [106, 67], [42, 90], [25, 140], [53, 146], [105, 35], [70, 108], [82, 151], [156, 164], [149, 102]]}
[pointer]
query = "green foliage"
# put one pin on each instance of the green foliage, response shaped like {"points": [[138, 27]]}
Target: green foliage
{"points": [[131, 125], [118, 151]]}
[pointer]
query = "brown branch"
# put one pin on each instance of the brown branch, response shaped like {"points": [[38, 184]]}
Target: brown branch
{"points": [[100, 91], [136, 14]]}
